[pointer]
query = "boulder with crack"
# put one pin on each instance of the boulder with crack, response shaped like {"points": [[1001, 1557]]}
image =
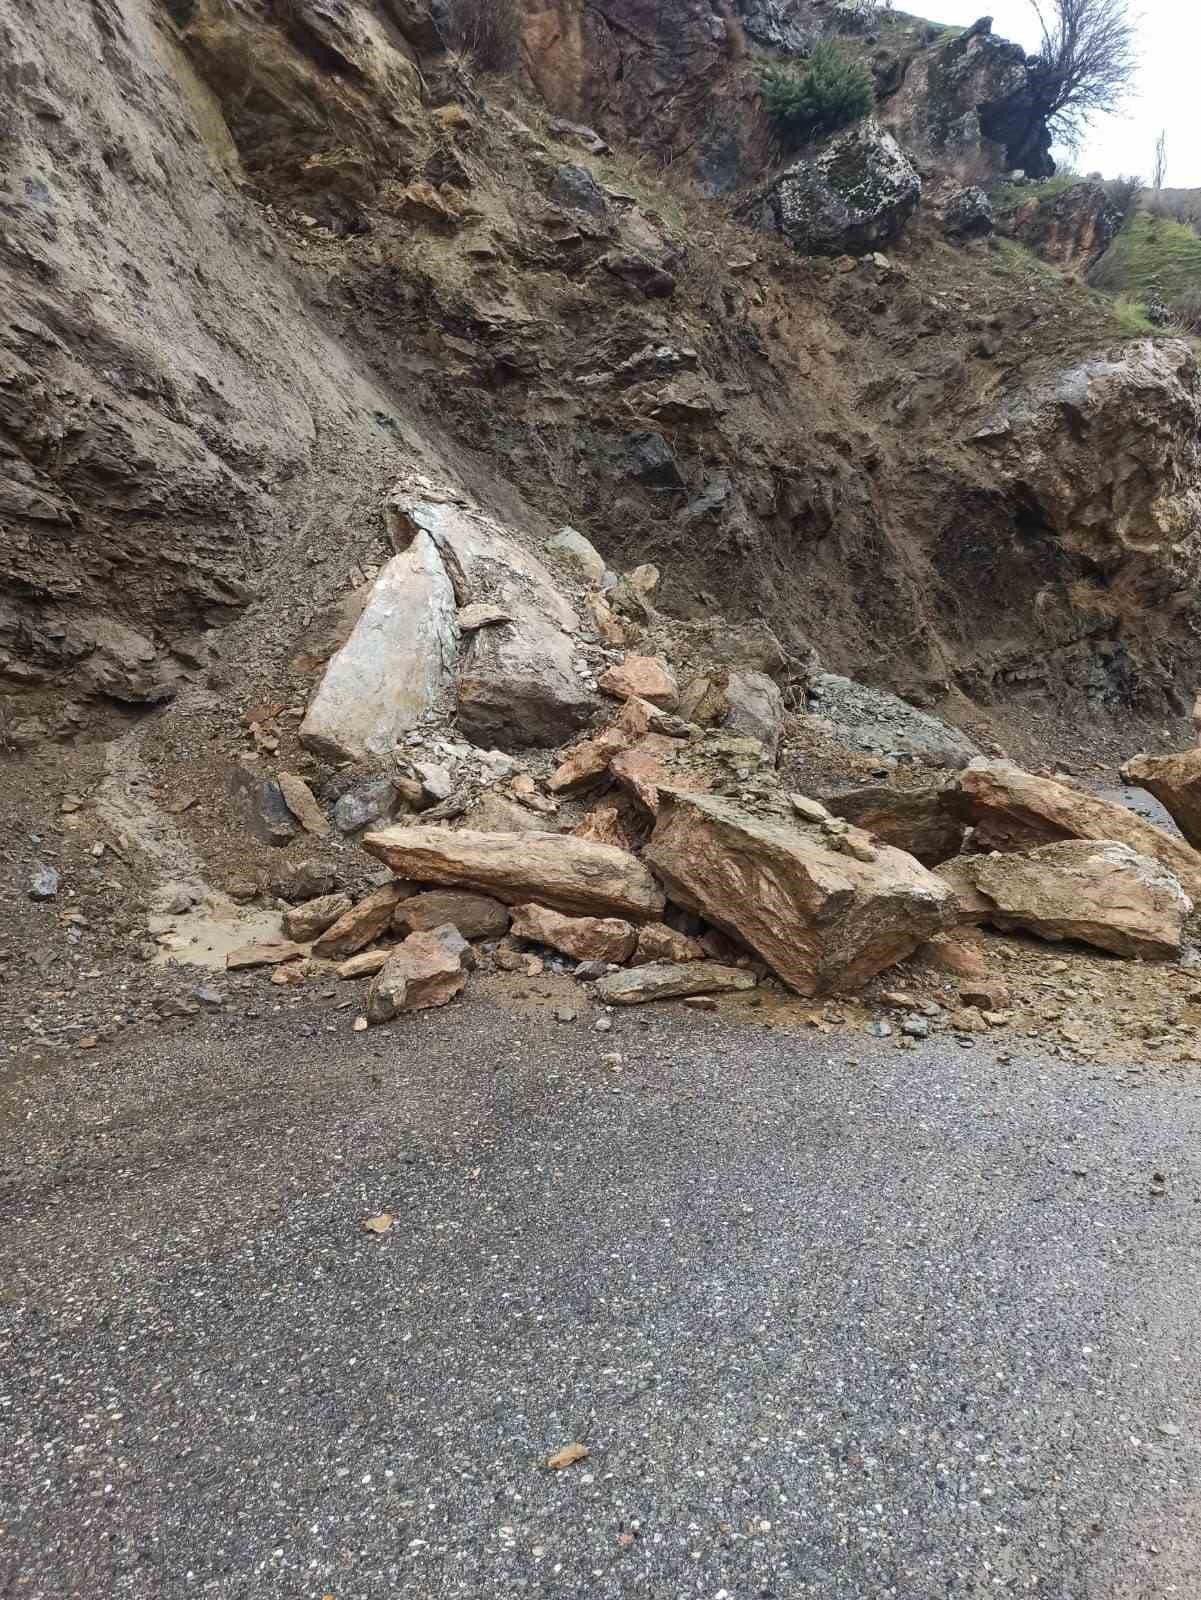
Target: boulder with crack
{"points": [[557, 870], [1011, 809], [397, 664], [1099, 892], [821, 918], [517, 680]]}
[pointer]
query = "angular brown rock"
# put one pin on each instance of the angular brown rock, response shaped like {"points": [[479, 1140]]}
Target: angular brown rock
{"points": [[643, 677], [821, 920], [1011, 809], [1100, 892], [265, 953], [970, 906], [610, 822], [669, 980], [315, 916], [585, 938], [362, 924], [420, 973], [476, 916], [554, 869], [658, 942], [1175, 781], [587, 762]]}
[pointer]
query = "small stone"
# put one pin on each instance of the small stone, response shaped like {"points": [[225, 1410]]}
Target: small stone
{"points": [[603, 1024], [481, 615], [808, 810], [565, 1014], [701, 1002], [365, 803], [43, 883], [589, 971], [915, 1027], [879, 1030], [206, 996], [302, 803]]}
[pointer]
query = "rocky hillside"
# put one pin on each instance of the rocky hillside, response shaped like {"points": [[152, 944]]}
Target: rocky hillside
{"points": [[259, 261]]}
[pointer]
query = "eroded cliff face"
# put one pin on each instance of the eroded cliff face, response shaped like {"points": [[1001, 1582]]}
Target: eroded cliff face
{"points": [[256, 262]]}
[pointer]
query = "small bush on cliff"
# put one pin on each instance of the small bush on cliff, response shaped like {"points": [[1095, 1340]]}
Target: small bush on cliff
{"points": [[486, 30], [829, 92]]}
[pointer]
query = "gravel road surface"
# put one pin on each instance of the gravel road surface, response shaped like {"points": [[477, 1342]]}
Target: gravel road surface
{"points": [[833, 1318]]}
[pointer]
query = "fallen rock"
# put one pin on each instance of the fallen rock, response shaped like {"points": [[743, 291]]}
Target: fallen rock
{"points": [[588, 761], [302, 803], [264, 953], [754, 710], [365, 804], [988, 994], [968, 214], [644, 768], [476, 916], [263, 808], [954, 956], [585, 938], [518, 685], [302, 880], [856, 194], [704, 700], [43, 883], [667, 980], [571, 546], [420, 973], [306, 921], [920, 821], [481, 615], [1100, 892], [820, 919], [365, 965], [610, 822], [1011, 809], [1175, 781], [362, 924], [493, 812], [558, 870], [644, 678], [658, 942], [397, 664]]}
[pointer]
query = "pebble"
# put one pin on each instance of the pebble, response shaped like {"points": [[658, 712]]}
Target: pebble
{"points": [[602, 1025], [565, 1014], [915, 1027], [879, 1030]]}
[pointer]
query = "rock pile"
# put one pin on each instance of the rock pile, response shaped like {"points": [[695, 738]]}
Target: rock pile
{"points": [[658, 849]]}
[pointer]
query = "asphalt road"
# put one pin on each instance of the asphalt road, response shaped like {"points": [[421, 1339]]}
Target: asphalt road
{"points": [[834, 1319]]}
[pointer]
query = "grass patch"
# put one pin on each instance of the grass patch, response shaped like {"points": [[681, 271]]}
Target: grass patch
{"points": [[1009, 196], [1152, 256], [1132, 320]]}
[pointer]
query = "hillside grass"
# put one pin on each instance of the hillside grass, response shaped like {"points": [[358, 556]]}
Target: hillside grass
{"points": [[1152, 256]]}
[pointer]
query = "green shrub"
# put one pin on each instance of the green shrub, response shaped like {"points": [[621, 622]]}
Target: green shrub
{"points": [[830, 91]]}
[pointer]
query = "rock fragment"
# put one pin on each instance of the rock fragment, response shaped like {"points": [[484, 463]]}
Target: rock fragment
{"points": [[362, 924], [302, 803], [585, 938], [669, 980], [557, 870], [305, 922], [476, 916]]}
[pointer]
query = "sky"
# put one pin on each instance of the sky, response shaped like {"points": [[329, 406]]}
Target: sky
{"points": [[1165, 95]]}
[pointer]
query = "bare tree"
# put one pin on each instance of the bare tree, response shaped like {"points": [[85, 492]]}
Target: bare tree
{"points": [[1160, 169], [1086, 62]]}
